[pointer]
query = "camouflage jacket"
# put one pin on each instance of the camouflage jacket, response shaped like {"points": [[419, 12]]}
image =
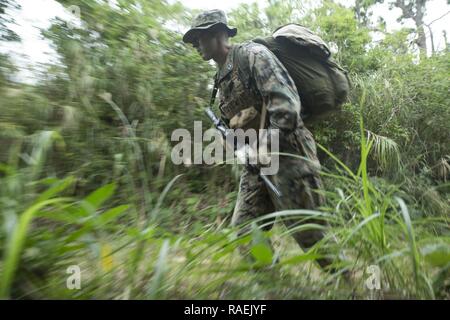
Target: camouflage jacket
{"points": [[241, 97]]}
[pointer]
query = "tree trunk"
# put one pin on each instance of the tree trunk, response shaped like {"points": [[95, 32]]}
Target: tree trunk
{"points": [[432, 40], [415, 9], [418, 19]]}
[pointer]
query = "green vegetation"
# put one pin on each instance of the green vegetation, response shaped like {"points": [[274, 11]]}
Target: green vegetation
{"points": [[86, 177]]}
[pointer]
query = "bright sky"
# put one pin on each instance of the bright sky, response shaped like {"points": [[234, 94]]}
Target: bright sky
{"points": [[36, 14]]}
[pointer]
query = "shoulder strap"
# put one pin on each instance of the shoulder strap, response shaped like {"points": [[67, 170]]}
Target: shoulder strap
{"points": [[244, 75], [242, 67], [242, 72], [214, 93]]}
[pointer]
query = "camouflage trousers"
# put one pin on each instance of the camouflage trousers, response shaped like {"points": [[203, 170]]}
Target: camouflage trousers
{"points": [[298, 180]]}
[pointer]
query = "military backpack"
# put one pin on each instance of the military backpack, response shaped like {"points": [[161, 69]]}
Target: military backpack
{"points": [[322, 84]]}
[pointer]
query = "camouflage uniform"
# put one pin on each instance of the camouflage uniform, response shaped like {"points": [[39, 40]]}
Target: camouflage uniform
{"points": [[242, 97], [241, 104]]}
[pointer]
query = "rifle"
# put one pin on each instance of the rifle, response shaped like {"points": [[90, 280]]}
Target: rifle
{"points": [[224, 129]]}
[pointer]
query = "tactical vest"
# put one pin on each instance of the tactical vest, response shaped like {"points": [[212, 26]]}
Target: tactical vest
{"points": [[240, 103]]}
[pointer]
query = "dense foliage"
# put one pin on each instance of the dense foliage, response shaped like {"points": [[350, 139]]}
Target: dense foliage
{"points": [[86, 176]]}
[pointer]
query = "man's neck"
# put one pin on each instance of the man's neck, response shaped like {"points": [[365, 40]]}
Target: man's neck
{"points": [[222, 57]]}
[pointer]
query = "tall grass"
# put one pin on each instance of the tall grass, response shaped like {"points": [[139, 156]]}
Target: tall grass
{"points": [[369, 224]]}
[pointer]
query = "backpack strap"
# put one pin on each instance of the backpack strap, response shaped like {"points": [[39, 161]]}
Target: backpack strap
{"points": [[214, 92], [243, 71], [243, 68], [244, 74], [263, 116], [239, 63]]}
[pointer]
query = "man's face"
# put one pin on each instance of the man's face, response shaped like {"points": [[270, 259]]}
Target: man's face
{"points": [[206, 44]]}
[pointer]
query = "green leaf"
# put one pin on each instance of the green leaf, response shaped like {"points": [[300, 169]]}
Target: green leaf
{"points": [[16, 243], [411, 237], [192, 200], [438, 255], [63, 216], [100, 195], [262, 253], [78, 233], [112, 214], [309, 256], [57, 187], [159, 270]]}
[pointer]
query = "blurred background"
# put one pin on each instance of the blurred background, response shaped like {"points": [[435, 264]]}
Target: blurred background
{"points": [[90, 92]]}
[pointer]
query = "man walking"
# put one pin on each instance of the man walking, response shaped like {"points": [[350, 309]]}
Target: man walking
{"points": [[266, 97]]}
